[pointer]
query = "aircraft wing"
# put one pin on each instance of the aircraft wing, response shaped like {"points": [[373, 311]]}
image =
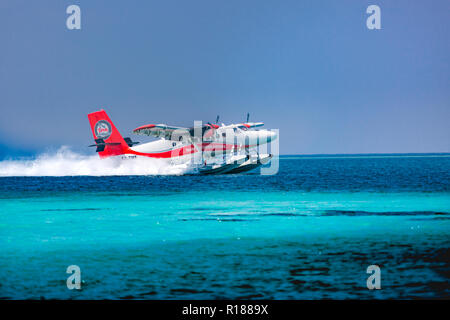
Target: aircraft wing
{"points": [[249, 125], [162, 131], [174, 133]]}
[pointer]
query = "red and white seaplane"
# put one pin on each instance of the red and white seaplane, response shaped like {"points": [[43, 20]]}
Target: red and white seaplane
{"points": [[209, 148]]}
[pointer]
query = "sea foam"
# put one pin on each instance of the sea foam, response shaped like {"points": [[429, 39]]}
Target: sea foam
{"points": [[65, 162]]}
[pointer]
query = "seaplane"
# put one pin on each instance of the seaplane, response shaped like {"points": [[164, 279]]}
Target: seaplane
{"points": [[208, 148]]}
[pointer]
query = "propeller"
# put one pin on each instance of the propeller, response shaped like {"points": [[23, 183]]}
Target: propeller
{"points": [[217, 119], [248, 117]]}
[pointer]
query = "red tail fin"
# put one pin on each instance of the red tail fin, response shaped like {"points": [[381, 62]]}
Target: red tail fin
{"points": [[108, 140]]}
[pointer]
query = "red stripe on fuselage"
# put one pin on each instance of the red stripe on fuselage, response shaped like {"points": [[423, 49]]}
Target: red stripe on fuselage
{"points": [[190, 149], [166, 154]]}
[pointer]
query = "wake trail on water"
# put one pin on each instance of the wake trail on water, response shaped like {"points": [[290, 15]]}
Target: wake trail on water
{"points": [[65, 162]]}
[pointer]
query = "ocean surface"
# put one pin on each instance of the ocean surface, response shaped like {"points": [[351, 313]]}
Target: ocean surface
{"points": [[308, 232]]}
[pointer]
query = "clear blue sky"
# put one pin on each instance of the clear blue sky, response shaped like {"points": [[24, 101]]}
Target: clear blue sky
{"points": [[309, 68]]}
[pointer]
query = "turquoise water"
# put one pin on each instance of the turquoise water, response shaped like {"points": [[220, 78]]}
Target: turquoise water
{"points": [[309, 232]]}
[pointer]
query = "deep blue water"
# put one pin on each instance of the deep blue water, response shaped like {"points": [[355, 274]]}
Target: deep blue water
{"points": [[309, 232]]}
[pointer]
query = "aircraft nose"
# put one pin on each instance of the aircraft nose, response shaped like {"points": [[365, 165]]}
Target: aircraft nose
{"points": [[267, 136], [271, 135]]}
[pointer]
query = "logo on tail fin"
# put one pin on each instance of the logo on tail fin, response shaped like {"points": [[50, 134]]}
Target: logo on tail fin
{"points": [[102, 129]]}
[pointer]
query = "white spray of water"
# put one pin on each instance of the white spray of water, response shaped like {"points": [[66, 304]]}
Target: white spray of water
{"points": [[68, 163]]}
